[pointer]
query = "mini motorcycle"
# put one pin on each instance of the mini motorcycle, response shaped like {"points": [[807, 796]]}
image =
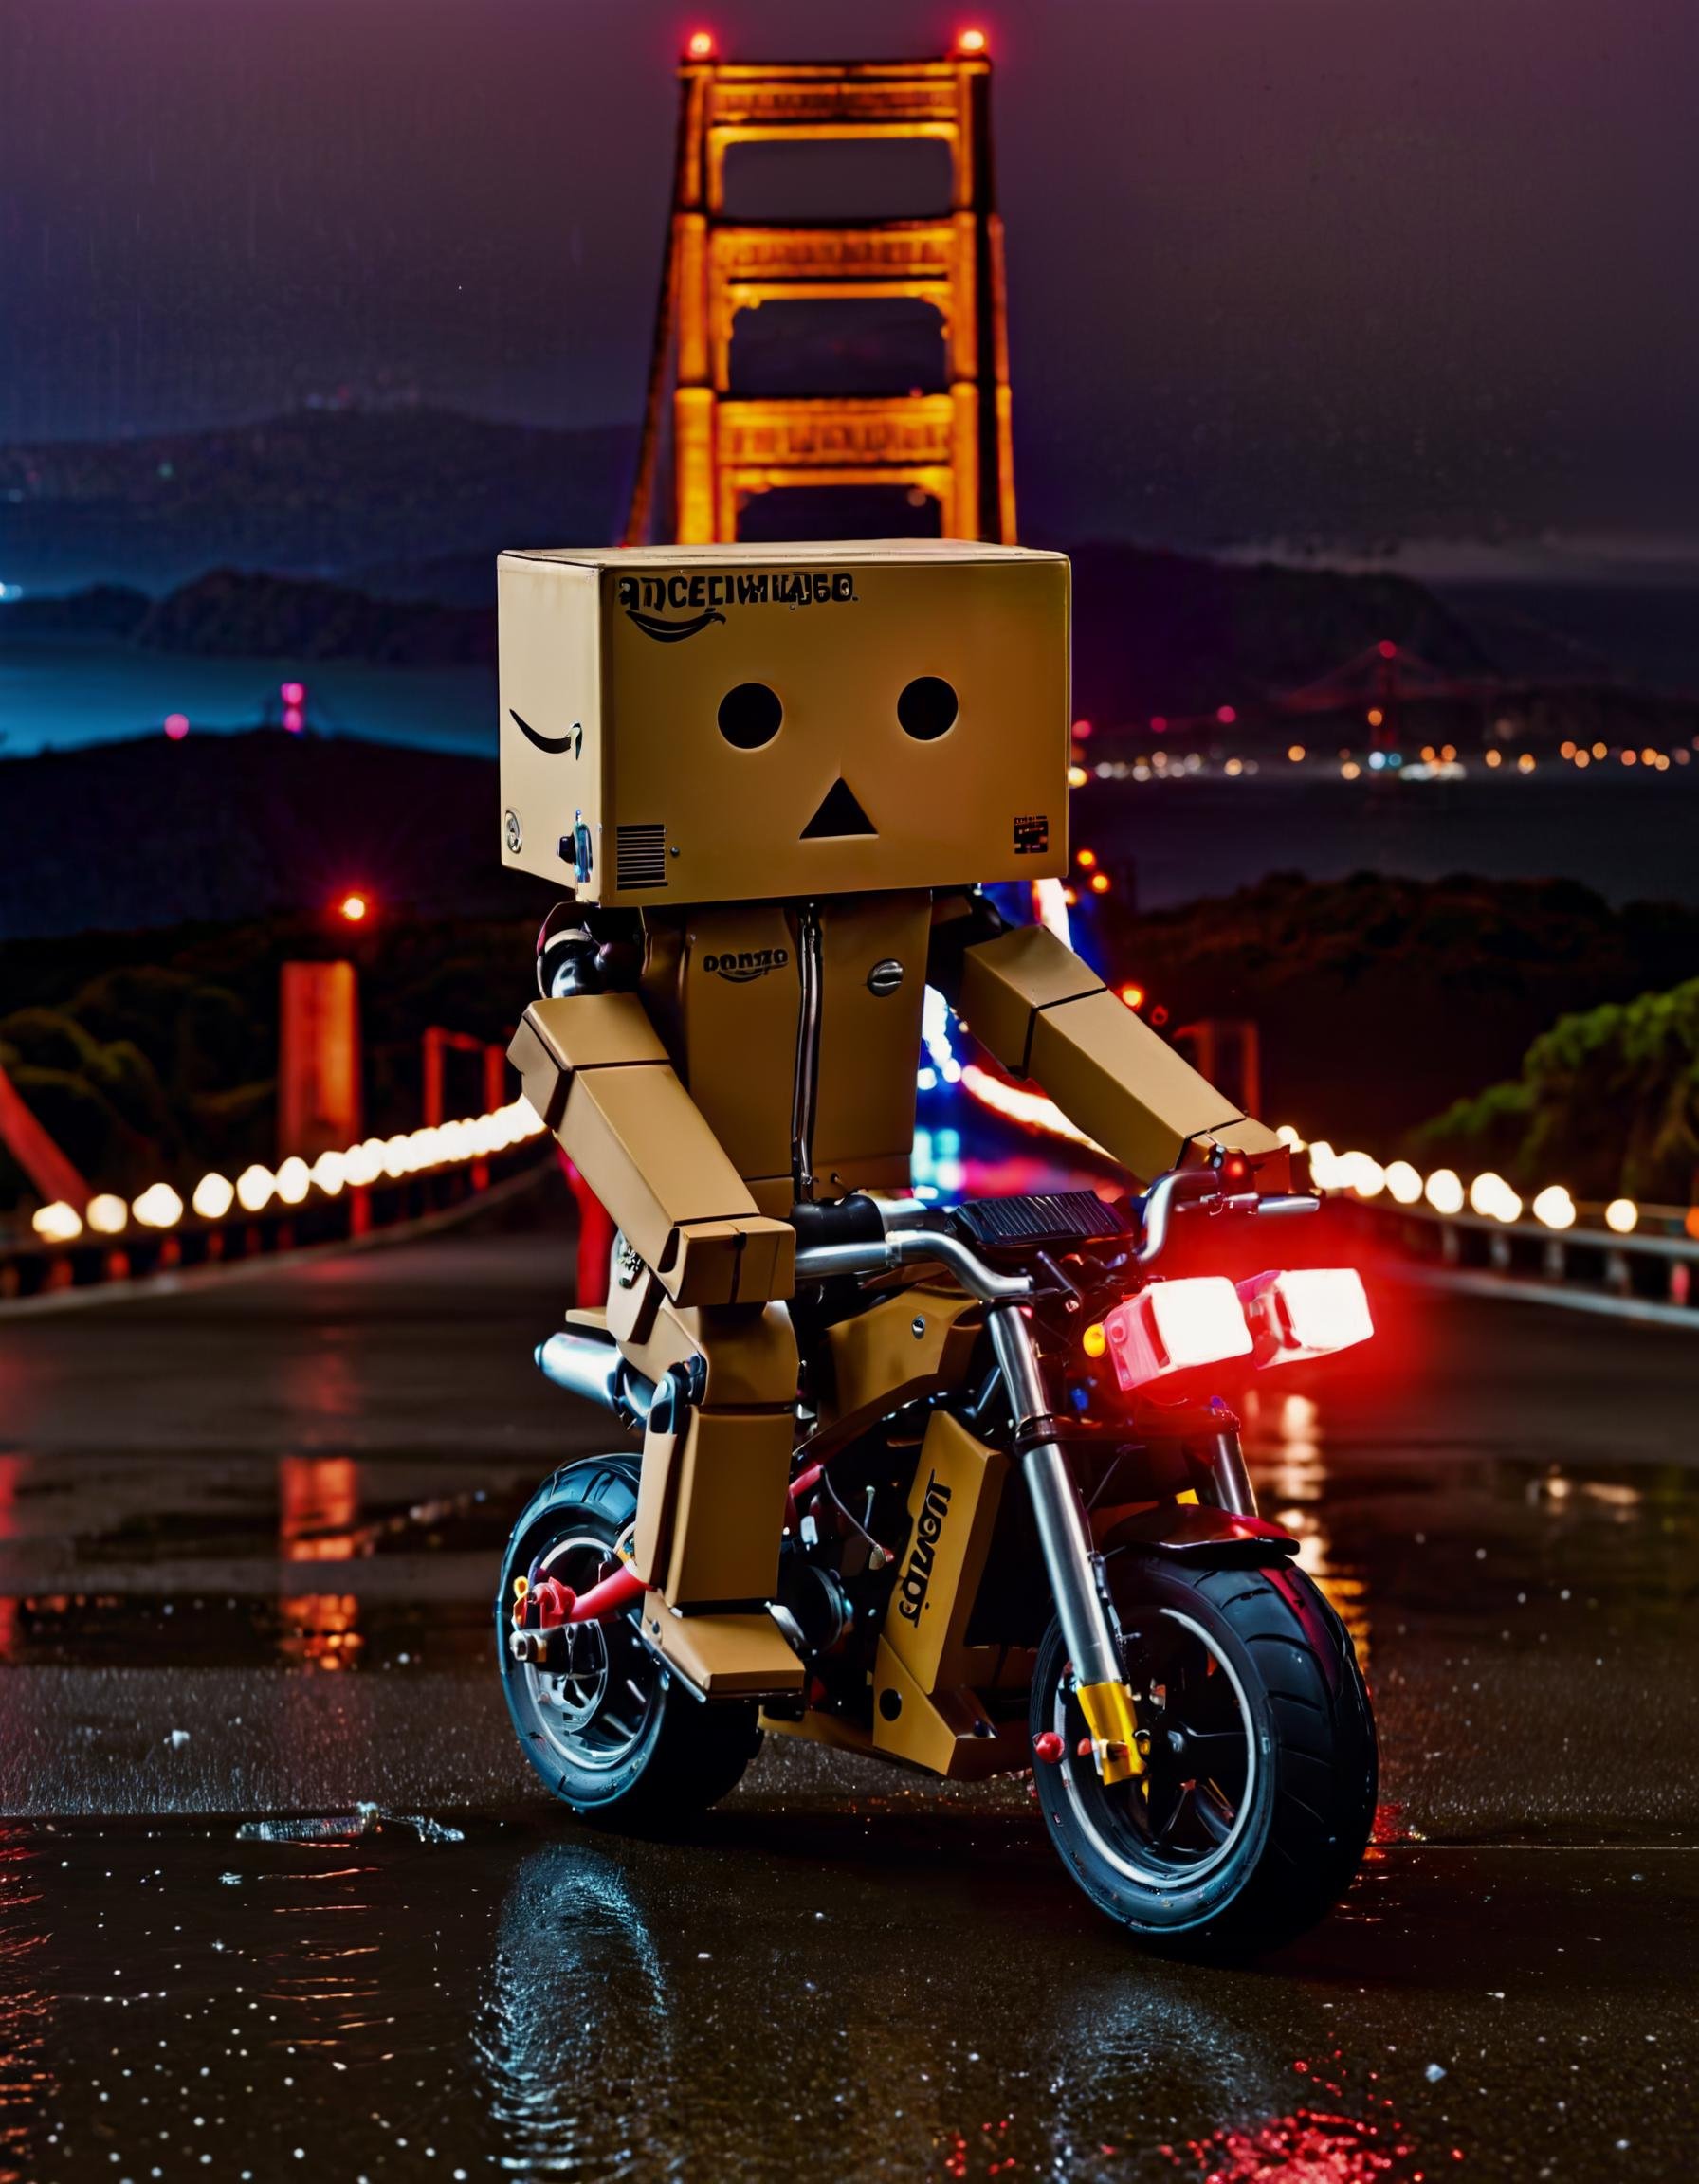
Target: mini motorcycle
{"points": [[1119, 1620]]}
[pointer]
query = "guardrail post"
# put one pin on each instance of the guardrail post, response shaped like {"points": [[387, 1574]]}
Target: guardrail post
{"points": [[595, 1238]]}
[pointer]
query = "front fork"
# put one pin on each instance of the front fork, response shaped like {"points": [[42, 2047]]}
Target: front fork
{"points": [[1090, 1632]]}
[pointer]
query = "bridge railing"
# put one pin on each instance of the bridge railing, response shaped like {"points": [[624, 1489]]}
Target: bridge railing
{"points": [[1616, 1255], [414, 1176]]}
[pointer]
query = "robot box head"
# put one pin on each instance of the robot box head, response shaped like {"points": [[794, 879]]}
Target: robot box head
{"points": [[726, 724]]}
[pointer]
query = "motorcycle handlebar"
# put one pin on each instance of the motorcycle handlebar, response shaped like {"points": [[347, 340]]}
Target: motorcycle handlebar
{"points": [[874, 1237], [902, 1246]]}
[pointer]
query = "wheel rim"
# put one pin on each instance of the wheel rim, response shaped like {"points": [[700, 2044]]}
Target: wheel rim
{"points": [[1183, 1819], [594, 1709]]}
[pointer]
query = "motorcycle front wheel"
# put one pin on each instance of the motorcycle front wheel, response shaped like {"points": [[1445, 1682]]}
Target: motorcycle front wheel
{"points": [[1257, 1792]]}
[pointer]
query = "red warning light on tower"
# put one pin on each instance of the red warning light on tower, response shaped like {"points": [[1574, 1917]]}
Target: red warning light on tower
{"points": [[354, 907], [972, 41], [700, 46]]}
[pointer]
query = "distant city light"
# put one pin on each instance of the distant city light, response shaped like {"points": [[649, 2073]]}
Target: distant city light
{"points": [[970, 41], [1622, 1217], [1133, 996], [292, 693], [1375, 717], [176, 726], [254, 1187], [1387, 650], [214, 1195], [1088, 858], [58, 1223], [1491, 1197], [1295, 753], [1226, 715], [1100, 882], [1555, 1208], [354, 908], [1445, 1191], [1159, 724], [1404, 1183], [158, 1207], [700, 46], [106, 1214]]}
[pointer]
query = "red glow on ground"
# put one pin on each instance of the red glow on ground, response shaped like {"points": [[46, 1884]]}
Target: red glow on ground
{"points": [[176, 726], [1309, 2146]]}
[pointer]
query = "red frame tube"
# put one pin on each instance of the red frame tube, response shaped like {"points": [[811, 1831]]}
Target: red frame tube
{"points": [[610, 1597]]}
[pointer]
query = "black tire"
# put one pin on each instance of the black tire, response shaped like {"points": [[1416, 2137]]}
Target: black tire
{"points": [[618, 1738], [1259, 1795]]}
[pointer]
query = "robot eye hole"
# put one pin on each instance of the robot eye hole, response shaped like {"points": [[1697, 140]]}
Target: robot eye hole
{"points": [[928, 708], [750, 715]]}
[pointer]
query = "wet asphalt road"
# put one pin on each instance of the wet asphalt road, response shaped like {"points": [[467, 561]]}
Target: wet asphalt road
{"points": [[247, 1539]]}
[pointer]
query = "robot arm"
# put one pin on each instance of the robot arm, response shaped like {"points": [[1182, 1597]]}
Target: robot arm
{"points": [[594, 1068], [1043, 1013]]}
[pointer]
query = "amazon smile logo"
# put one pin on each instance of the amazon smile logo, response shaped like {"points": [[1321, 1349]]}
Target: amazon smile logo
{"points": [[557, 746], [670, 608]]}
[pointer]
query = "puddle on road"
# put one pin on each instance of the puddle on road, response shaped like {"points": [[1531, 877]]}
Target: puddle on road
{"points": [[926, 1998], [332, 1631], [316, 1517]]}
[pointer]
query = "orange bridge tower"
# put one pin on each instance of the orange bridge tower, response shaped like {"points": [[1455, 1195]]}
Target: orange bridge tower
{"points": [[953, 446]]}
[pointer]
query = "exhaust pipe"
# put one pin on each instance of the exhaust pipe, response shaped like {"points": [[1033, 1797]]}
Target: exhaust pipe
{"points": [[590, 1365]]}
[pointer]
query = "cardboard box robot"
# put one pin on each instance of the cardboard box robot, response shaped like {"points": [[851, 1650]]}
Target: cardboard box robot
{"points": [[772, 779]]}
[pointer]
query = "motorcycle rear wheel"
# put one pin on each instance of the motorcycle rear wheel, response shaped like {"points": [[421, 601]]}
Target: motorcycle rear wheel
{"points": [[610, 1731], [1260, 1764]]}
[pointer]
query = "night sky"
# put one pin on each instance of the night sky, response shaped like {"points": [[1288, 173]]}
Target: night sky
{"points": [[1349, 269]]}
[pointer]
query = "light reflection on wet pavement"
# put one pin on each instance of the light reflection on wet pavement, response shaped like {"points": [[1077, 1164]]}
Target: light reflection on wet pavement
{"points": [[905, 1989], [246, 1545]]}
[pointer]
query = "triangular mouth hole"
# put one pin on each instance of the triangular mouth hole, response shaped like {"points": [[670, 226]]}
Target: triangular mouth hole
{"points": [[839, 813]]}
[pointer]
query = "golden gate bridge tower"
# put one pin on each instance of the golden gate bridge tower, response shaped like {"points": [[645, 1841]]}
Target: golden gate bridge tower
{"points": [[952, 445]]}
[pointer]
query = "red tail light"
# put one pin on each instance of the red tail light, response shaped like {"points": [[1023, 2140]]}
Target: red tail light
{"points": [[1174, 1327], [1309, 1312]]}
